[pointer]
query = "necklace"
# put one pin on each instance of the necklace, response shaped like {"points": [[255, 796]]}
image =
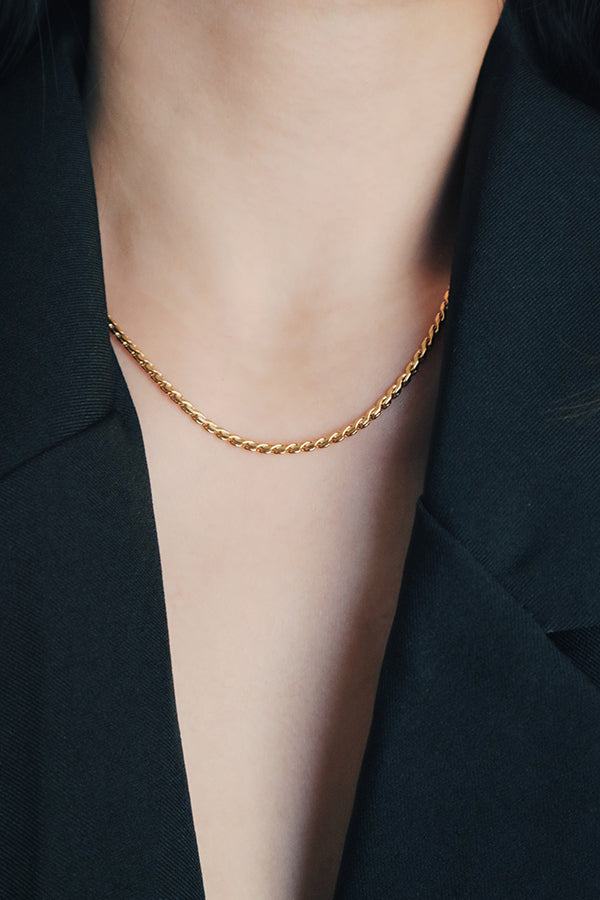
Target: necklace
{"points": [[278, 449]]}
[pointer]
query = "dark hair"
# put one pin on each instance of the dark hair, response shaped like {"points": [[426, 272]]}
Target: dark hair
{"points": [[563, 35], [19, 22]]}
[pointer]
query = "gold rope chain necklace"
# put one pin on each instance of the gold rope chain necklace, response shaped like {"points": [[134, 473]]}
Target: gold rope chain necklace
{"points": [[278, 449]]}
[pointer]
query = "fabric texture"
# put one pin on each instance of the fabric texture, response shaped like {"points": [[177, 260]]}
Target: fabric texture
{"points": [[481, 777]]}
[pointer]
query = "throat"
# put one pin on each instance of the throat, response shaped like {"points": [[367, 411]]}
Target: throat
{"points": [[262, 169]]}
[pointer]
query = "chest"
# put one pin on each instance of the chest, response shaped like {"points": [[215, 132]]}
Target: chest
{"points": [[281, 578]]}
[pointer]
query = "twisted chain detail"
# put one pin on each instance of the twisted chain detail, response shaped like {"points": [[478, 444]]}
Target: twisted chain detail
{"points": [[279, 449]]}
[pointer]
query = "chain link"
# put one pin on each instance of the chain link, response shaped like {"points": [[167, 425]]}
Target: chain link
{"points": [[279, 449]]}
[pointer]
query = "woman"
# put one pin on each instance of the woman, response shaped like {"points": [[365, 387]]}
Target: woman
{"points": [[385, 656]]}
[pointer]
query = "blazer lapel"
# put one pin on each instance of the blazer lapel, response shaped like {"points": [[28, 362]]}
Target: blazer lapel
{"points": [[514, 466], [482, 772], [93, 791]]}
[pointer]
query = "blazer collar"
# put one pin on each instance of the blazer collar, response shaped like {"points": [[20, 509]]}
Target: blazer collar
{"points": [[56, 356], [513, 471]]}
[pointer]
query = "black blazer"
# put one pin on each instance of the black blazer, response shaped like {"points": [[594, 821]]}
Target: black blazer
{"points": [[481, 777]]}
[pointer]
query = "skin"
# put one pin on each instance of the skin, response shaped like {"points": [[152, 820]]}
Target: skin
{"points": [[277, 197]]}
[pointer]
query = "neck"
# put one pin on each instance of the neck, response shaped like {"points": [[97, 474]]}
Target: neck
{"points": [[262, 167]]}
